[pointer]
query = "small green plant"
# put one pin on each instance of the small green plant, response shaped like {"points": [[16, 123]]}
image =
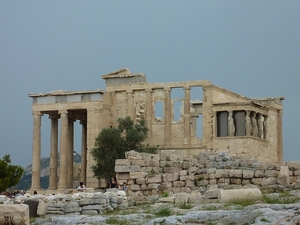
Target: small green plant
{"points": [[163, 211], [152, 172], [210, 222], [185, 206], [209, 207], [32, 220], [165, 194], [113, 220], [243, 202]]}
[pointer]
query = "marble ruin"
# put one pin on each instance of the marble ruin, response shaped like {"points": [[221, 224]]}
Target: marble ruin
{"points": [[216, 120]]}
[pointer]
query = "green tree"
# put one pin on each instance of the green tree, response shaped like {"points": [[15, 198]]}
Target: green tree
{"points": [[112, 143], [9, 174]]}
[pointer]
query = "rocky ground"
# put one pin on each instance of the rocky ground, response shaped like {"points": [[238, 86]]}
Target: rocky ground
{"points": [[258, 213]]}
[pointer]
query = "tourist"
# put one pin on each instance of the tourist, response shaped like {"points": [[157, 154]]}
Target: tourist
{"points": [[81, 186], [124, 186], [113, 183]]}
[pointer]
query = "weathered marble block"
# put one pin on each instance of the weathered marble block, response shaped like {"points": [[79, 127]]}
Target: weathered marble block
{"points": [[235, 173], [248, 174], [178, 183], [172, 169], [222, 174], [294, 165], [154, 179], [268, 181], [136, 175], [122, 169], [18, 213], [122, 162], [139, 162], [168, 177], [271, 173]]}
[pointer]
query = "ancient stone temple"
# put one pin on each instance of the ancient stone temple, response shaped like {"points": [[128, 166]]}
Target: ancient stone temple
{"points": [[216, 120]]}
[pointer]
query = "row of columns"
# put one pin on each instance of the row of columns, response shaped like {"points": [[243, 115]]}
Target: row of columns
{"points": [[66, 151], [255, 124]]}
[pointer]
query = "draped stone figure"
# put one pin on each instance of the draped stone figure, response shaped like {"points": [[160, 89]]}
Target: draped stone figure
{"points": [[260, 123], [248, 123], [265, 129], [231, 128], [254, 124]]}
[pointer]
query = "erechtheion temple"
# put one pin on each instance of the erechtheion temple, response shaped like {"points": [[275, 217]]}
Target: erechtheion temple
{"points": [[228, 121]]}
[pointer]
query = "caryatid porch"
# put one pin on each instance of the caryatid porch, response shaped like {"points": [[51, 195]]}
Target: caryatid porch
{"points": [[64, 108]]}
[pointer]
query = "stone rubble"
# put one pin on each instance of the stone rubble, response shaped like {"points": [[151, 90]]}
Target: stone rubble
{"points": [[151, 174]]}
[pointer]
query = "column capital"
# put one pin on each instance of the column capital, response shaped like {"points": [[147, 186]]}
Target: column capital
{"points": [[52, 116], [65, 112], [167, 89], [37, 113], [186, 88], [149, 90]]}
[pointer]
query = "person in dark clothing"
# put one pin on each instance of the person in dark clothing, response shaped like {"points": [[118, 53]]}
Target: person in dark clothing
{"points": [[113, 183]]}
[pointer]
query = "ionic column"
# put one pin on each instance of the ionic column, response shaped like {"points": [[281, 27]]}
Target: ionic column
{"points": [[36, 151], [83, 151], [130, 106], [53, 152], [231, 127], [70, 152], [187, 116], [64, 147], [279, 137], [149, 113], [248, 123], [168, 117], [254, 124]]}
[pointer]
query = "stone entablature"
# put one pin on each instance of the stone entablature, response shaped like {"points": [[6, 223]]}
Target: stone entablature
{"points": [[150, 174]]}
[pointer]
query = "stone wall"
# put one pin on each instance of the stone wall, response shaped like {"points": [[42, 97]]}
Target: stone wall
{"points": [[150, 174]]}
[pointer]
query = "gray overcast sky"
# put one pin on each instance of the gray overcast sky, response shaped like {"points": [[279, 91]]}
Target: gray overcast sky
{"points": [[249, 47]]}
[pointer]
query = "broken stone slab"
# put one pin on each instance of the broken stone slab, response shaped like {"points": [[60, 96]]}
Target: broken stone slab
{"points": [[90, 212], [226, 196], [132, 155], [71, 207], [181, 198], [212, 194], [42, 208], [170, 199], [15, 213], [92, 207], [284, 178]]}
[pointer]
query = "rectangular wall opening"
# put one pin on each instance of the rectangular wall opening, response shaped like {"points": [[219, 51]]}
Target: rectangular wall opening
{"points": [[159, 111], [177, 99], [222, 124], [239, 123], [196, 94], [199, 125]]}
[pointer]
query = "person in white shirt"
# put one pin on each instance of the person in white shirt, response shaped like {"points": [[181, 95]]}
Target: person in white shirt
{"points": [[81, 186]]}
